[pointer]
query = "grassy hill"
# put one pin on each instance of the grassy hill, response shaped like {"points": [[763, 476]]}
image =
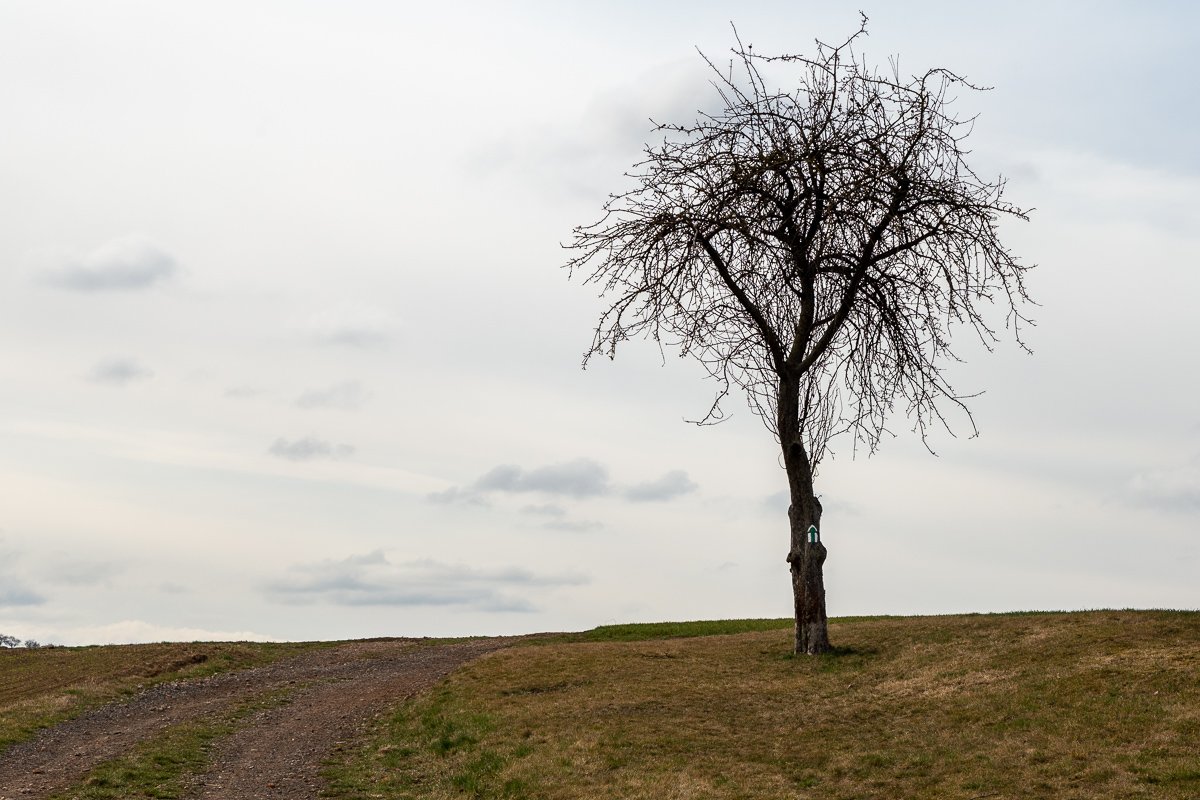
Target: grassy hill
{"points": [[1082, 705]]}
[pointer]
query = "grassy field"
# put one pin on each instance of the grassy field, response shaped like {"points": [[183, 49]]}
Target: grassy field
{"points": [[47, 685], [640, 632], [1099, 704]]}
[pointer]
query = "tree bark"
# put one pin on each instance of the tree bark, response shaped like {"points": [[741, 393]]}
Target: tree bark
{"points": [[805, 558], [808, 583]]}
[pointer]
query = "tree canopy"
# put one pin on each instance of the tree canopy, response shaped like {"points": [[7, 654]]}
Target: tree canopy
{"points": [[833, 231]]}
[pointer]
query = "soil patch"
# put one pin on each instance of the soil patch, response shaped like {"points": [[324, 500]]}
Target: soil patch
{"points": [[275, 753]]}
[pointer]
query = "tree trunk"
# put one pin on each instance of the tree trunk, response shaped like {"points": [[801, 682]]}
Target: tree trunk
{"points": [[808, 582], [806, 557]]}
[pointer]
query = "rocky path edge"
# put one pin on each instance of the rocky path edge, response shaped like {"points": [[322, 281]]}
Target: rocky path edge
{"points": [[275, 753]]}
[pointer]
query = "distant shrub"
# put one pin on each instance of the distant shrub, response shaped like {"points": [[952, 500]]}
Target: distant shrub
{"points": [[32, 644]]}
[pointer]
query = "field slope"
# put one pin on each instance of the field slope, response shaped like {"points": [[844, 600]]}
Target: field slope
{"points": [[1102, 704], [1081, 705], [41, 687]]}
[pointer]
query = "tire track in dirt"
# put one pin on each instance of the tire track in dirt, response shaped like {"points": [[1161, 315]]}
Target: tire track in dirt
{"points": [[333, 692], [280, 752]]}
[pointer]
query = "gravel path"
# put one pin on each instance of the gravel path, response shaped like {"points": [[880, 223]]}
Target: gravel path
{"points": [[280, 753], [274, 753]]}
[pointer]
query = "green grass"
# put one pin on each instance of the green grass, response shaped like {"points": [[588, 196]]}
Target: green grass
{"points": [[159, 767], [1083, 705], [644, 631], [1048, 705], [437, 730], [639, 632]]}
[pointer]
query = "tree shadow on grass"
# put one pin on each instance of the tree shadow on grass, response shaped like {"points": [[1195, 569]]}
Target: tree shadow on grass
{"points": [[839, 659], [837, 653], [850, 652], [845, 659]]}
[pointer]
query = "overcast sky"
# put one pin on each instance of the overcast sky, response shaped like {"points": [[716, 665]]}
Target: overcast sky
{"points": [[286, 350]]}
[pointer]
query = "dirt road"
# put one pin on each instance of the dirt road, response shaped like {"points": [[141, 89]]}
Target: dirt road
{"points": [[276, 752]]}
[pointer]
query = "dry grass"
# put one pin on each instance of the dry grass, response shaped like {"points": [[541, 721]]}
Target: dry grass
{"points": [[47, 685], [1083, 705]]}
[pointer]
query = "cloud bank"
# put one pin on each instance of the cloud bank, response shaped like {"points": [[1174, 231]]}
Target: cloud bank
{"points": [[673, 484], [1175, 489], [371, 579], [13, 590], [582, 478], [119, 372], [136, 631], [579, 478], [309, 448], [347, 396], [573, 525], [15, 594], [545, 510], [130, 263], [353, 326]]}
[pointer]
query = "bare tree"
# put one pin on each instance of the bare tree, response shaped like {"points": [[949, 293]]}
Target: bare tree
{"points": [[816, 248]]}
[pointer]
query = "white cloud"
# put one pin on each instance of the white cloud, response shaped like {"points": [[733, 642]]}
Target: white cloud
{"points": [[582, 477], [456, 495], [309, 448], [372, 580], [573, 526], [1175, 489], [135, 631], [347, 396], [119, 372], [545, 510], [581, 154], [353, 326], [669, 486], [74, 571], [125, 264], [14, 590], [16, 594]]}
